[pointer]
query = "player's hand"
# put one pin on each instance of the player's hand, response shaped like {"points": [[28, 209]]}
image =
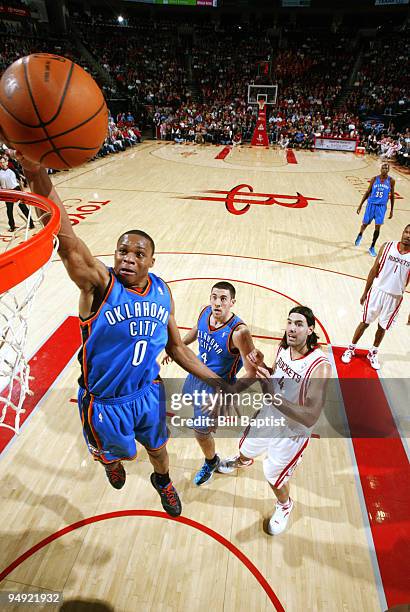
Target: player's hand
{"points": [[363, 299], [30, 168], [263, 373], [391, 215], [359, 209], [221, 404], [167, 359], [255, 357]]}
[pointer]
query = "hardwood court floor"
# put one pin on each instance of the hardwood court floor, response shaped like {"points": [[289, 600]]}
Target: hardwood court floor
{"points": [[276, 255]]}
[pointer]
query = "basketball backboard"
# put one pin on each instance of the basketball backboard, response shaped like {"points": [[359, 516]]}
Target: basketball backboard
{"points": [[262, 92]]}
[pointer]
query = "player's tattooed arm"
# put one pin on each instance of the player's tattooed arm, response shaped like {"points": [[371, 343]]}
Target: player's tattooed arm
{"points": [[366, 195], [372, 274]]}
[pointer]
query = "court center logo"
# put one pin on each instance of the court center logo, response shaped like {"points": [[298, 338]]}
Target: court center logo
{"points": [[244, 195]]}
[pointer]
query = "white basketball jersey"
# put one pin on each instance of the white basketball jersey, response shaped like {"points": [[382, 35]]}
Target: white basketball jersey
{"points": [[291, 379], [394, 270]]}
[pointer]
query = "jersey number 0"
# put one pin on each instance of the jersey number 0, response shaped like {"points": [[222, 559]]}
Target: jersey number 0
{"points": [[139, 352]]}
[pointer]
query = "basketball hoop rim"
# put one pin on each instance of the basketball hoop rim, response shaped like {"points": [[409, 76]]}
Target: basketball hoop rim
{"points": [[23, 260]]}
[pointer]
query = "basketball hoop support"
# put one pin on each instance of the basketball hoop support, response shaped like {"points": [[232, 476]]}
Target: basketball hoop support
{"points": [[21, 273]]}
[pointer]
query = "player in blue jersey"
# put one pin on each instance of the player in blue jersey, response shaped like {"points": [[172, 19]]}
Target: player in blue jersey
{"points": [[224, 341], [127, 320], [377, 196]]}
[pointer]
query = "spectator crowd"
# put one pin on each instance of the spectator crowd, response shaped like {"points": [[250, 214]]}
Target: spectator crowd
{"points": [[191, 80]]}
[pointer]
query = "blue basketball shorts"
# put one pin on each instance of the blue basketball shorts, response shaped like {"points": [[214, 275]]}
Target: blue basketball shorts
{"points": [[111, 427], [199, 390], [374, 212]]}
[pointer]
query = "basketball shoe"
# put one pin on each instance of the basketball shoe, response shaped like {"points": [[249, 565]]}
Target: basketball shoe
{"points": [[358, 240], [374, 361], [227, 466], [169, 497], [206, 472], [280, 517], [115, 474], [372, 252], [348, 355]]}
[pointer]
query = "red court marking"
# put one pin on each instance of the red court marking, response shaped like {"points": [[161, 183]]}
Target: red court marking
{"points": [[152, 513], [383, 469], [236, 280], [291, 157], [281, 261], [224, 153], [45, 366]]}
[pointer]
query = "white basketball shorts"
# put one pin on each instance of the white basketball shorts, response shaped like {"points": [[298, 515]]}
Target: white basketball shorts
{"points": [[383, 306], [282, 455]]}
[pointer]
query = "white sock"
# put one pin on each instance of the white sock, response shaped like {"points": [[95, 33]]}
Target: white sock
{"points": [[285, 504]]}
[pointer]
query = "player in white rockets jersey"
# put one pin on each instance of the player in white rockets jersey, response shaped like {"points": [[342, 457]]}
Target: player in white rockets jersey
{"points": [[383, 294], [299, 375]]}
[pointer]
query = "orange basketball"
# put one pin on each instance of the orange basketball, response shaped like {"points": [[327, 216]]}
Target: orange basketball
{"points": [[52, 111]]}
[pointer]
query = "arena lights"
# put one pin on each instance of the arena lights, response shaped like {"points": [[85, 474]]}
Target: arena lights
{"points": [[120, 18]]}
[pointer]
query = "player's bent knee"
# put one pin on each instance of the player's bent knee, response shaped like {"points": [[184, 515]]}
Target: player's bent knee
{"points": [[158, 452]]}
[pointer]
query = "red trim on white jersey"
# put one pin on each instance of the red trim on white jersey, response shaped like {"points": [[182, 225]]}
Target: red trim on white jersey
{"points": [[384, 257], [245, 433], [394, 314], [290, 464], [366, 304], [305, 383]]}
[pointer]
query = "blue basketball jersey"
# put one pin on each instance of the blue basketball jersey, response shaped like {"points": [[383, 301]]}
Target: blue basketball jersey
{"points": [[380, 192], [214, 345], [122, 341]]}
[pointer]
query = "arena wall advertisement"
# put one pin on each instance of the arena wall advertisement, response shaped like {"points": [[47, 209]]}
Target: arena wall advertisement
{"points": [[336, 144]]}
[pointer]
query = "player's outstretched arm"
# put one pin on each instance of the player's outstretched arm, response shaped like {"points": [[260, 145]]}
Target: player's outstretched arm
{"points": [[184, 357], [242, 340], [374, 270], [189, 338], [87, 272]]}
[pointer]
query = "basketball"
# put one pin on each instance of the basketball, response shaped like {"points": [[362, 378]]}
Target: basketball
{"points": [[52, 111]]}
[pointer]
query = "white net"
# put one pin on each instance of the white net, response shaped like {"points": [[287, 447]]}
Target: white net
{"points": [[15, 308]]}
